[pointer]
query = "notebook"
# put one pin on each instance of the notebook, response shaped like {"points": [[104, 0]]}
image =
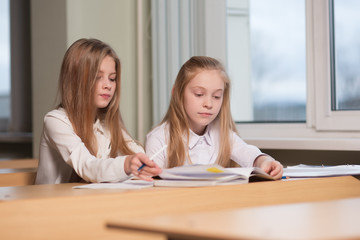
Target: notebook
{"points": [[306, 171], [209, 175]]}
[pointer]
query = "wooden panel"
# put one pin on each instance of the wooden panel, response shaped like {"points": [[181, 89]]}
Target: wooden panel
{"points": [[17, 177], [19, 163]]}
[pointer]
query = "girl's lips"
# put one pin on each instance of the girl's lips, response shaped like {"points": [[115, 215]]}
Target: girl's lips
{"points": [[205, 114], [105, 95]]}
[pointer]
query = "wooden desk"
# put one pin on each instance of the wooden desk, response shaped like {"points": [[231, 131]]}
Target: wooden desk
{"points": [[336, 219], [75, 215], [19, 163], [18, 172], [17, 177]]}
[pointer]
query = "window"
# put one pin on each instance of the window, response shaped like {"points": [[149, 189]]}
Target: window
{"points": [[266, 60], [4, 64], [304, 86], [326, 63], [345, 30], [15, 68]]}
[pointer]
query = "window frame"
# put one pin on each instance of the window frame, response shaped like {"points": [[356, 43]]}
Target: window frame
{"points": [[326, 118], [324, 129], [18, 128]]}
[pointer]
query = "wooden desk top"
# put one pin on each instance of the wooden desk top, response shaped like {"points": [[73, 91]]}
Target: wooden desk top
{"points": [[17, 172], [19, 163], [50, 191], [336, 219], [37, 212]]}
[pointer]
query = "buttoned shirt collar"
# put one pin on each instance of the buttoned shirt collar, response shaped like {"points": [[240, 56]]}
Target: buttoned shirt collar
{"points": [[194, 138], [98, 126]]}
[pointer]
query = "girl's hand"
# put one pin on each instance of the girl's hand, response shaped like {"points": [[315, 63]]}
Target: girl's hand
{"points": [[133, 162], [269, 165]]}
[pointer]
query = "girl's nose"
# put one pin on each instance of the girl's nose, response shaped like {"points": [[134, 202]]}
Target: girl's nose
{"points": [[107, 84], [208, 102]]}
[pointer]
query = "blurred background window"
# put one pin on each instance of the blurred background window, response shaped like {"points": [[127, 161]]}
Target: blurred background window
{"points": [[345, 54], [5, 86], [267, 60]]}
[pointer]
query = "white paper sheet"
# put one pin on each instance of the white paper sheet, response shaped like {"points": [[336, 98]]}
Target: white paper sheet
{"points": [[321, 171], [128, 184]]}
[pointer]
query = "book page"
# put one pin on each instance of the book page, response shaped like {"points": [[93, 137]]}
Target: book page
{"points": [[202, 172]]}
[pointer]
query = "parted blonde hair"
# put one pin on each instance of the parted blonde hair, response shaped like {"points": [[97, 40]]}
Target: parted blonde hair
{"points": [[77, 83], [177, 119]]}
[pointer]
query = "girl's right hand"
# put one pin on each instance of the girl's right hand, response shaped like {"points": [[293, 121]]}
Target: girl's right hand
{"points": [[133, 162]]}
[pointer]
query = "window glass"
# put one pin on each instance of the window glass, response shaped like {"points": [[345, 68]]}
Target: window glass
{"points": [[266, 60], [347, 55], [4, 61]]}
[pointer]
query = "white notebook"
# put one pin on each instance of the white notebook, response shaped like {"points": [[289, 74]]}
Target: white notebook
{"points": [[209, 175]]}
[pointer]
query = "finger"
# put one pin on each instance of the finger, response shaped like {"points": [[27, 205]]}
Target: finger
{"points": [[275, 169], [151, 171], [146, 177], [277, 173], [144, 159]]}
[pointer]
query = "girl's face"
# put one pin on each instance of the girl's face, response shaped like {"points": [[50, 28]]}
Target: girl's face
{"points": [[203, 98], [105, 83]]}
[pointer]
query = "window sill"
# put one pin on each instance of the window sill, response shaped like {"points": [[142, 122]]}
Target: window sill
{"points": [[305, 144], [297, 137], [11, 137]]}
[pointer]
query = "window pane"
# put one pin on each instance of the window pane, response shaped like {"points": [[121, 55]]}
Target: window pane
{"points": [[347, 55], [4, 63], [266, 60]]}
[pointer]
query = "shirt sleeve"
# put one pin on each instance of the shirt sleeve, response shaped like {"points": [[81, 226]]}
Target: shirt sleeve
{"points": [[155, 140], [242, 153], [61, 136]]}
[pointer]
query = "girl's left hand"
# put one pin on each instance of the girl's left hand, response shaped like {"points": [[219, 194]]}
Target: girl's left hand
{"points": [[269, 165]]}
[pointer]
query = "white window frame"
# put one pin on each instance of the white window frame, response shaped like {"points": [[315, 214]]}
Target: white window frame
{"points": [[324, 129], [325, 118]]}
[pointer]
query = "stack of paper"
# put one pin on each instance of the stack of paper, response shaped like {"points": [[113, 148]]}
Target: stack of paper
{"points": [[301, 171]]}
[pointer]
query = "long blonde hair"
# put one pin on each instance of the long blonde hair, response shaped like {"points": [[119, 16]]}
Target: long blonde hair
{"points": [[177, 118], [77, 80]]}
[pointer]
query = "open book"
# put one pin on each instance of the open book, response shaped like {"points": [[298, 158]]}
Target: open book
{"points": [[190, 176], [208, 175]]}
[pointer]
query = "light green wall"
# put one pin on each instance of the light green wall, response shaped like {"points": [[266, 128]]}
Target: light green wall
{"points": [[56, 24], [113, 22], [48, 45]]}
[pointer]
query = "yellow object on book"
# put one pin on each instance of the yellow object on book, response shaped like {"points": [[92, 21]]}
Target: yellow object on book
{"points": [[215, 170]]}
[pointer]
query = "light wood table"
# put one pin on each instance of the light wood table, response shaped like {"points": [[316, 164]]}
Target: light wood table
{"points": [[18, 172], [60, 212], [336, 219], [19, 163]]}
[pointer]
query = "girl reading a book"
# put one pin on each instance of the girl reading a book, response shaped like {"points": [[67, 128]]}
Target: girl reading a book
{"points": [[198, 127], [84, 138]]}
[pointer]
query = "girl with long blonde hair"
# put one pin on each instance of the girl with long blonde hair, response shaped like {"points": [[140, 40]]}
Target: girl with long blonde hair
{"points": [[198, 127], [84, 138]]}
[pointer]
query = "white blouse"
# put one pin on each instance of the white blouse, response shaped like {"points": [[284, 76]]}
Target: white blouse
{"points": [[202, 149], [64, 157]]}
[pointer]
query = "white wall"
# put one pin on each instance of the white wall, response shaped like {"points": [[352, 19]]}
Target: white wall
{"points": [[56, 24]]}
